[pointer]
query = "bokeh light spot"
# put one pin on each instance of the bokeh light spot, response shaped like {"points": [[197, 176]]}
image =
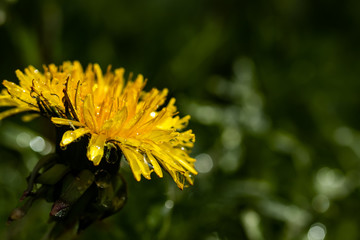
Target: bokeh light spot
{"points": [[321, 203], [37, 144], [169, 204], [23, 139], [204, 163], [317, 232]]}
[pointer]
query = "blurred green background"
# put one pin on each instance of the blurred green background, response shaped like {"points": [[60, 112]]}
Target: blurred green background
{"points": [[273, 90]]}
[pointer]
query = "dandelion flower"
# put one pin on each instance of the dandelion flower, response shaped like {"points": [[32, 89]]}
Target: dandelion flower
{"points": [[112, 112]]}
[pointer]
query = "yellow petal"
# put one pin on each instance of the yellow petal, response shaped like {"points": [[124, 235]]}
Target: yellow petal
{"points": [[64, 121], [29, 117], [129, 142], [99, 75], [71, 136], [176, 176], [89, 112], [131, 158], [189, 178], [25, 81], [116, 122], [13, 111], [139, 159], [7, 101], [168, 159], [186, 165], [95, 150], [143, 164], [19, 92], [161, 135], [139, 82], [155, 164], [182, 123]]}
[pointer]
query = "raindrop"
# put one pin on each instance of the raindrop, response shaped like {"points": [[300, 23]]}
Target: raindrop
{"points": [[112, 154], [112, 158], [102, 178], [62, 213], [147, 162]]}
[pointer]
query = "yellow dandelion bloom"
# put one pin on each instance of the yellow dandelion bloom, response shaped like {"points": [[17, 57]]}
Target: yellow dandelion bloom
{"points": [[111, 111]]}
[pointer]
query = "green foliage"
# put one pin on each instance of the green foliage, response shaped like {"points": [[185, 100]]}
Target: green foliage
{"points": [[272, 87]]}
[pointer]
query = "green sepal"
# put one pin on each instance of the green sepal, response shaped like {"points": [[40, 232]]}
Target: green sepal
{"points": [[73, 188], [53, 174]]}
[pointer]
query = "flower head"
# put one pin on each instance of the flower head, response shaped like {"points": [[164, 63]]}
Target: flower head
{"points": [[114, 113]]}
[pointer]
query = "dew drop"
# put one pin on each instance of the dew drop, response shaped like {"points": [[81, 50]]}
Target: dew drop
{"points": [[112, 159], [111, 154], [102, 178], [146, 160]]}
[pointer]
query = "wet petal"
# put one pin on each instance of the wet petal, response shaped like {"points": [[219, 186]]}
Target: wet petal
{"points": [[161, 135], [131, 158], [71, 136], [140, 161], [89, 112], [143, 164], [155, 164], [95, 150], [163, 157], [24, 80], [186, 165], [19, 92], [7, 101], [64, 121], [116, 122]]}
